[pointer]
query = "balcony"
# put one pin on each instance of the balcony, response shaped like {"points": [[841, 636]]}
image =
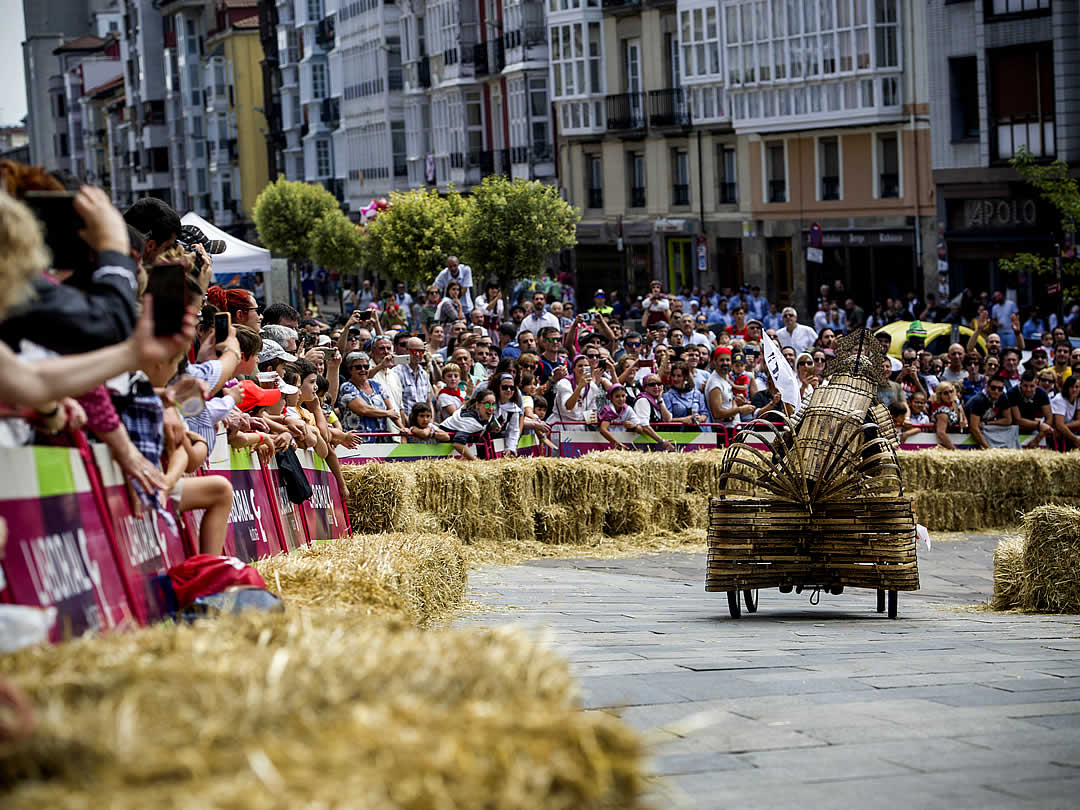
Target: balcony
{"points": [[233, 149], [726, 194], [324, 33], [542, 153], [888, 185], [401, 167], [777, 191], [424, 72], [626, 112], [637, 196], [680, 194], [527, 37], [480, 58], [669, 108], [621, 6], [830, 187], [457, 160], [330, 112], [1034, 132], [595, 198], [1000, 10]]}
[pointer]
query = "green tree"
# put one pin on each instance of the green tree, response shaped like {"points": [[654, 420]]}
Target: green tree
{"points": [[412, 238], [285, 215], [1061, 190], [337, 243], [513, 227]]}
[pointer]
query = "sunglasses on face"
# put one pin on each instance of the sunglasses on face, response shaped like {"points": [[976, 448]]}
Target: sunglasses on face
{"points": [[633, 344], [487, 404], [651, 384], [506, 388], [805, 363], [995, 388], [593, 356], [360, 368]]}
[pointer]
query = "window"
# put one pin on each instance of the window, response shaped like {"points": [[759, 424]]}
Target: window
{"points": [[775, 172], [700, 41], [635, 172], [318, 80], [680, 177], [886, 30], [1021, 100], [594, 180], [575, 60], [314, 10], [726, 175], [888, 161], [322, 158], [1014, 8], [829, 168], [964, 95]]}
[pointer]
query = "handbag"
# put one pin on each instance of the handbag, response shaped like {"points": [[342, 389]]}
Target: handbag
{"points": [[292, 476]]}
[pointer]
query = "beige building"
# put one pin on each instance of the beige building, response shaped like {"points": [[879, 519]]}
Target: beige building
{"points": [[703, 139]]}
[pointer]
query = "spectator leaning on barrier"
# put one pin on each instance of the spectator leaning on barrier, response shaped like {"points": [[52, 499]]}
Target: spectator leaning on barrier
{"points": [[946, 412], [987, 411], [362, 402], [414, 380], [617, 412], [682, 399], [1031, 409], [724, 407], [1064, 408], [472, 422]]}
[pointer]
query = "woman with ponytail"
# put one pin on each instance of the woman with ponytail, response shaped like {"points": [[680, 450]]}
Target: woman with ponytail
{"points": [[240, 304]]}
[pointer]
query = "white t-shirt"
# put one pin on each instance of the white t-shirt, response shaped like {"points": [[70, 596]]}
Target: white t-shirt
{"points": [[727, 396], [534, 323], [1062, 406], [464, 278], [590, 400], [800, 340]]}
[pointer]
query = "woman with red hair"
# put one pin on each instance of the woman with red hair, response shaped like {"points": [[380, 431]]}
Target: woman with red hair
{"points": [[240, 304]]}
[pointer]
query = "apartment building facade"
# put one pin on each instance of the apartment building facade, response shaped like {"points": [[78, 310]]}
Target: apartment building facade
{"points": [[1003, 75], [703, 139]]}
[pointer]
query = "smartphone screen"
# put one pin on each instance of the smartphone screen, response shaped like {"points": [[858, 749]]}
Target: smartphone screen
{"points": [[644, 364], [221, 327], [401, 359], [56, 213], [167, 284]]}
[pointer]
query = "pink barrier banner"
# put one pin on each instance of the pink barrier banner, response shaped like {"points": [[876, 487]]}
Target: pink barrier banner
{"points": [[149, 541], [252, 531], [58, 551], [290, 516], [324, 514]]}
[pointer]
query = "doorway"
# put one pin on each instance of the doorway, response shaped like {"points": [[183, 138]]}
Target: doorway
{"points": [[680, 254]]}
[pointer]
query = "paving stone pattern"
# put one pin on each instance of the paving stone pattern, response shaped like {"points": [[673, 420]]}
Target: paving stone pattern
{"points": [[822, 706]]}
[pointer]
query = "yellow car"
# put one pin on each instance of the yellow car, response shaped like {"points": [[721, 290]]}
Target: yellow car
{"points": [[938, 337]]}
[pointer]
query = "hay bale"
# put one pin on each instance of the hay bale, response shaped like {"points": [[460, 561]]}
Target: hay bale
{"points": [[418, 576], [1051, 560], [703, 472], [1008, 573], [286, 712], [382, 496], [948, 511]]}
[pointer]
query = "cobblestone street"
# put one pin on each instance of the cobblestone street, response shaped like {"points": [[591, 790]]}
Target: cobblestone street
{"points": [[816, 706]]}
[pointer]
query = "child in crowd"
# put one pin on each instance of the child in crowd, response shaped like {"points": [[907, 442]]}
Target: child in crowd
{"points": [[899, 413], [540, 412], [527, 387], [740, 380], [617, 412], [420, 429], [451, 397], [919, 412]]}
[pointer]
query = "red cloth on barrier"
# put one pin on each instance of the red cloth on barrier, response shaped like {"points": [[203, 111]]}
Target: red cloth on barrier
{"points": [[205, 574]]}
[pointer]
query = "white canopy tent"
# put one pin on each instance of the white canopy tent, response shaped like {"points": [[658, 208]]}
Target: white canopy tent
{"points": [[239, 256]]}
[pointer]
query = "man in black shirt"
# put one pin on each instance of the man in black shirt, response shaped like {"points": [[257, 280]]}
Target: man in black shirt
{"points": [[1030, 407], [989, 409]]}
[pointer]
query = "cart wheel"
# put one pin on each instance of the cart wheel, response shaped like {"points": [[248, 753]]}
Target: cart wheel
{"points": [[892, 604], [733, 604], [751, 598], [880, 601]]}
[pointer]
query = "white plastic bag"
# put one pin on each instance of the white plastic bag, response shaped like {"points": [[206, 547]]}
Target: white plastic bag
{"points": [[23, 626]]}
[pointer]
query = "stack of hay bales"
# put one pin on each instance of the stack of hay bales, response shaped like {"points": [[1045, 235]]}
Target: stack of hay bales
{"points": [[420, 577], [1040, 572], [957, 491], [289, 711]]}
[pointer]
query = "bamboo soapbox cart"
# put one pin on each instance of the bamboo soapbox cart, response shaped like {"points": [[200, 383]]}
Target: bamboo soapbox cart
{"points": [[815, 502]]}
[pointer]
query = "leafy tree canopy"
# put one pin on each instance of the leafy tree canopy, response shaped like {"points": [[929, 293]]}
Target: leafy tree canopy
{"points": [[285, 215], [412, 238], [336, 242]]}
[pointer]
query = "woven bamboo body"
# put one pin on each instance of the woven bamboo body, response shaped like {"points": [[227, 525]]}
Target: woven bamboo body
{"points": [[766, 543]]}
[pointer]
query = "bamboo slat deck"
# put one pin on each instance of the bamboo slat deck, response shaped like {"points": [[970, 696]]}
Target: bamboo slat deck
{"points": [[765, 543]]}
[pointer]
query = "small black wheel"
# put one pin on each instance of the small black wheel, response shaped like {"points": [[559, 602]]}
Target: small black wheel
{"points": [[892, 604], [751, 598], [785, 589], [733, 604], [880, 601]]}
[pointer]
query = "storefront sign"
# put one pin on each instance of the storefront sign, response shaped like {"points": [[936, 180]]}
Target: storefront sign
{"points": [[861, 238], [1000, 213], [670, 226]]}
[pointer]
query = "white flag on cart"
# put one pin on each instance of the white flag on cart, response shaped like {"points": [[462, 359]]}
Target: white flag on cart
{"points": [[783, 375]]}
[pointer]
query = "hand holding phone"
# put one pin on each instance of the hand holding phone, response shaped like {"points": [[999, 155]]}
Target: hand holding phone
{"points": [[55, 210], [222, 322], [167, 284]]}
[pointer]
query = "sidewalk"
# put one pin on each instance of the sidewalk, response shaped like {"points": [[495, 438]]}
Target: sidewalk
{"points": [[816, 706]]}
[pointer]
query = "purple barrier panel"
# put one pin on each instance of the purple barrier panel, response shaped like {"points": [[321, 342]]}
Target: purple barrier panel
{"points": [[149, 542], [323, 513], [251, 533], [292, 524], [58, 551]]}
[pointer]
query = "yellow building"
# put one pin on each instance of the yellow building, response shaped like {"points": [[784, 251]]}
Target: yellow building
{"points": [[240, 157]]}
